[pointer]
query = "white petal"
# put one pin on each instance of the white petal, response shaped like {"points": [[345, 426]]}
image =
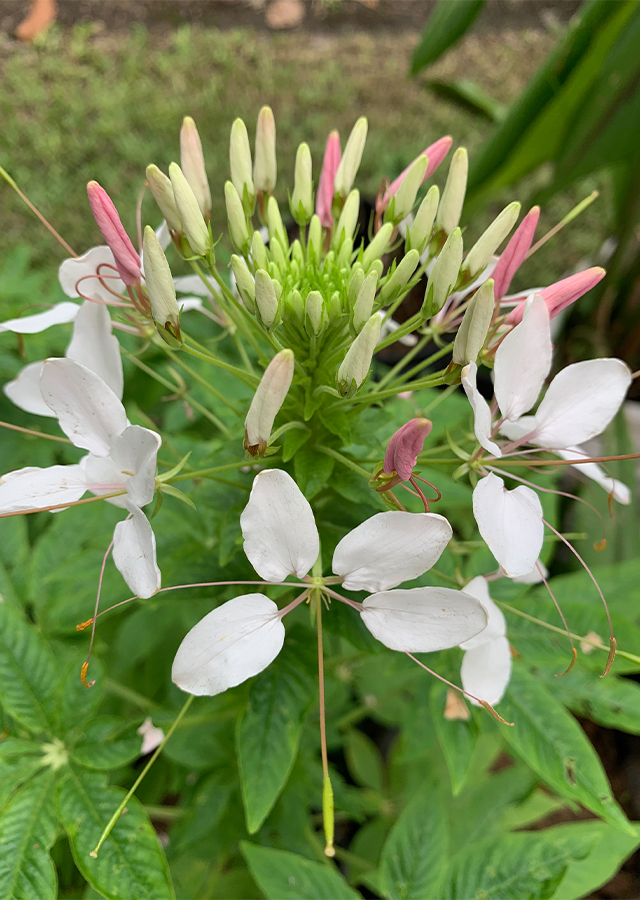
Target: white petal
{"points": [[163, 234], [496, 626], [94, 346], [25, 391], [57, 315], [481, 410], [104, 477], [80, 276], [280, 534], [33, 488], [510, 522], [151, 736], [421, 620], [191, 284], [596, 473], [516, 431], [87, 409], [232, 643], [581, 401], [134, 553], [136, 450], [534, 576], [389, 548], [523, 360], [486, 670], [188, 303]]}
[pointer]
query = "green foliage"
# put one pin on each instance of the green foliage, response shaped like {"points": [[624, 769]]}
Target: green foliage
{"points": [[446, 24], [286, 876]]}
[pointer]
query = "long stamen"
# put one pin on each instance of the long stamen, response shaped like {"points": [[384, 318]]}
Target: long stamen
{"points": [[574, 652], [67, 505], [85, 665], [36, 212], [352, 603], [49, 437], [484, 703]]}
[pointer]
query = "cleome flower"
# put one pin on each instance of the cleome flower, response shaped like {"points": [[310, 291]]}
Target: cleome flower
{"points": [[121, 465], [486, 666], [243, 636]]}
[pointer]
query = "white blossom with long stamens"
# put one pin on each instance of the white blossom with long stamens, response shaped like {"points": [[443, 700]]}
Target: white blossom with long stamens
{"points": [[244, 635]]}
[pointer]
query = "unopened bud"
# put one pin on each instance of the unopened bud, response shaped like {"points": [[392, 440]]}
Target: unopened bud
{"points": [[108, 221], [160, 187], [330, 163], [356, 364], [296, 253], [278, 259], [237, 219], [192, 164], [394, 285], [444, 275], [515, 252], [378, 245], [355, 283], [350, 162], [193, 223], [404, 448], [302, 197], [161, 290], [419, 232], [316, 318], [244, 282], [267, 305], [264, 167], [562, 293], [473, 329], [363, 306], [274, 224], [267, 401], [258, 251], [401, 203], [450, 207], [490, 240], [346, 227], [314, 241], [435, 153], [295, 306], [241, 168], [343, 259]]}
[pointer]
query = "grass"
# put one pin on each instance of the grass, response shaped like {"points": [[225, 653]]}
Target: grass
{"points": [[86, 104]]}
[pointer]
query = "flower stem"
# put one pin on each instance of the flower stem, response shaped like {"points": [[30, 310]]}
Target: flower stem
{"points": [[349, 463], [327, 790]]}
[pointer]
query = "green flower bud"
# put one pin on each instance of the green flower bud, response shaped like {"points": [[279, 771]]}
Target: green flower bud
{"points": [[244, 282], [356, 364], [419, 232], [195, 227], [264, 167], [237, 220], [295, 306], [240, 161], [343, 260], [345, 229], [394, 286], [267, 305], [297, 254], [316, 318], [473, 329], [363, 306], [402, 202], [444, 274], [334, 305], [355, 283], [278, 257], [350, 161], [258, 251], [377, 266], [161, 290], [378, 245], [302, 199], [160, 187], [192, 164], [267, 400], [490, 240], [315, 239], [274, 224], [454, 190]]}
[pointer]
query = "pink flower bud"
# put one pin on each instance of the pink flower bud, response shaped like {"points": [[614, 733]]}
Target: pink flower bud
{"points": [[108, 221], [562, 293], [514, 253], [435, 153], [404, 447], [330, 164]]}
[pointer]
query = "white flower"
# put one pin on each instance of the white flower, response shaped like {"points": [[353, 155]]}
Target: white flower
{"points": [[122, 457], [486, 667], [244, 635]]}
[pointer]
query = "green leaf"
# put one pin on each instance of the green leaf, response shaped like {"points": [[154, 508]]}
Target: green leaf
{"points": [[27, 831], [313, 470], [457, 739], [364, 760], [108, 743], [552, 743], [268, 733], [28, 672], [608, 849], [205, 812], [131, 862], [469, 96], [294, 438], [19, 761], [281, 875], [414, 857], [509, 867], [612, 702], [446, 24], [79, 704]]}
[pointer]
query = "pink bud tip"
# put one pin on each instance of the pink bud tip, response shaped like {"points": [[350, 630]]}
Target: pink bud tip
{"points": [[330, 163], [562, 293], [404, 447], [514, 253], [108, 221], [435, 154]]}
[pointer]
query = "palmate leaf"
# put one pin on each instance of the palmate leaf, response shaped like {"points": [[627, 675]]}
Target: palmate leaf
{"points": [[552, 743], [27, 831], [281, 875], [107, 743], [269, 731], [131, 862], [28, 672]]}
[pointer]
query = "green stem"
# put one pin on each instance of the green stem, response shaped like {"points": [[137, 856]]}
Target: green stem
{"points": [[251, 381], [399, 366], [283, 428], [406, 328], [204, 473], [114, 818], [432, 381], [131, 696], [344, 460], [406, 378], [202, 381]]}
